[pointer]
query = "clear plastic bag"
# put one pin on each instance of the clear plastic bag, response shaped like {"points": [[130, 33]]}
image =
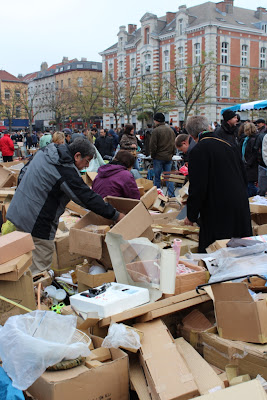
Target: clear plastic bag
{"points": [[32, 342], [120, 336]]}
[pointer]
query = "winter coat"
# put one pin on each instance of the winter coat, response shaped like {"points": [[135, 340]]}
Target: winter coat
{"points": [[6, 146], [115, 138], [51, 180], [104, 145], [45, 140], [147, 139], [258, 147], [227, 132], [250, 158], [264, 149], [217, 191], [127, 140], [162, 143], [115, 180]]}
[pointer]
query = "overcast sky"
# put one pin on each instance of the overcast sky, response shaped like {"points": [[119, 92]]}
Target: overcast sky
{"points": [[32, 32]]}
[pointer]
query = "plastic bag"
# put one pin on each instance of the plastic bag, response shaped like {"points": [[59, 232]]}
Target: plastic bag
{"points": [[120, 336], [7, 227], [32, 342]]}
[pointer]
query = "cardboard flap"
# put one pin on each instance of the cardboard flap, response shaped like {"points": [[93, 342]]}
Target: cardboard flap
{"points": [[231, 292], [148, 198], [122, 204]]}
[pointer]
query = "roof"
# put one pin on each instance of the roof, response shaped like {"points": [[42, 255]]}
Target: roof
{"points": [[54, 66], [29, 77], [6, 76]]}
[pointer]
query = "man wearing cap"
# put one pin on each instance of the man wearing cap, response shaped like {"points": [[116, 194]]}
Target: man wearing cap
{"points": [[259, 149], [228, 130], [68, 135], [162, 148]]}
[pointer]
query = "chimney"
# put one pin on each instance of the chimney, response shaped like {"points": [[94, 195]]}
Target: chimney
{"points": [[259, 12], [182, 7], [44, 66], [83, 59], [122, 28], [170, 16], [226, 6], [65, 60], [131, 28], [20, 76]]}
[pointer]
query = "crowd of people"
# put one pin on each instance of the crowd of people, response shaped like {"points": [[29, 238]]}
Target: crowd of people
{"points": [[227, 163]]}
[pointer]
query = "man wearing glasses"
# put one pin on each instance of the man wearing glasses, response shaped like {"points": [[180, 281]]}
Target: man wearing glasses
{"points": [[45, 187]]}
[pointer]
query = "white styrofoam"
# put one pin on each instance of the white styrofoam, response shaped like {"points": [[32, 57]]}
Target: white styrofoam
{"points": [[117, 298]]}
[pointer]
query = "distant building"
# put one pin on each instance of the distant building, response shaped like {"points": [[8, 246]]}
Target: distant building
{"points": [[236, 39], [12, 114], [53, 86]]}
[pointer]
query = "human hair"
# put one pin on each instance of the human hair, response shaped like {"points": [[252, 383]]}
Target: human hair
{"points": [[183, 137], [84, 130], [58, 137], [149, 125], [128, 128], [241, 130], [83, 146], [196, 124], [47, 130], [125, 158], [250, 129]]}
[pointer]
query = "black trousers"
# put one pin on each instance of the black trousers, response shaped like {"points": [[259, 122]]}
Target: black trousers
{"points": [[7, 158]]}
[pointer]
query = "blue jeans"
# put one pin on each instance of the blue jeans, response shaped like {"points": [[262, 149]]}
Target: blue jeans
{"points": [[252, 189], [159, 166]]}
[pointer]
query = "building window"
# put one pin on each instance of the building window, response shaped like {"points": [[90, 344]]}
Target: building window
{"points": [[180, 25], [79, 65], [225, 50], [7, 94], [263, 57], [18, 112], [181, 57], [146, 35], [197, 53], [224, 86], [181, 85], [121, 43], [94, 82], [264, 28], [56, 84], [61, 84], [244, 87], [69, 82], [121, 69], [147, 62], [166, 60], [166, 90], [133, 66], [61, 69], [80, 82], [17, 93], [244, 55]]}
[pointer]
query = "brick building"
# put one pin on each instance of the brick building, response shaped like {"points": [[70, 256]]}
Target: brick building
{"points": [[235, 39]]}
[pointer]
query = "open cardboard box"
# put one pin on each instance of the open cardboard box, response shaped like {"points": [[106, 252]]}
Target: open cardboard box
{"points": [[238, 316], [186, 282], [86, 280], [108, 381], [15, 244], [257, 208], [7, 178], [136, 223], [12, 270]]}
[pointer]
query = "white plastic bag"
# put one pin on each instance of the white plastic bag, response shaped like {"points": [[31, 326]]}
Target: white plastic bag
{"points": [[119, 336], [32, 342]]}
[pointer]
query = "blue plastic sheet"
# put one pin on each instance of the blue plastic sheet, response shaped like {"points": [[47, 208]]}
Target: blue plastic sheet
{"points": [[7, 391]]}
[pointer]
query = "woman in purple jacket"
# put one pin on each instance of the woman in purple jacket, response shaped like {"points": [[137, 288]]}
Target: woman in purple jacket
{"points": [[115, 178]]}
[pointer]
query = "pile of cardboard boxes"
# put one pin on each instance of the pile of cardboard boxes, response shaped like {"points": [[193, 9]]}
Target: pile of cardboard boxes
{"points": [[210, 344]]}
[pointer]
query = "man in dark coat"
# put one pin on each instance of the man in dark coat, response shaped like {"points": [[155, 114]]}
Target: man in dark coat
{"points": [[218, 188], [104, 144], [228, 130]]}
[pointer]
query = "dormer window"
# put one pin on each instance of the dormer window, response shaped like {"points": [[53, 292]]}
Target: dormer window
{"points": [[121, 43], [180, 26], [146, 35]]}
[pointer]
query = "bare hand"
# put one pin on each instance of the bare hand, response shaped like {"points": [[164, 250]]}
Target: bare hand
{"points": [[187, 222], [121, 215]]}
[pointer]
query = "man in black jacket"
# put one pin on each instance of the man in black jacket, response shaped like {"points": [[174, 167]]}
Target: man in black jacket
{"points": [[228, 129], [49, 182], [104, 144], [218, 189]]}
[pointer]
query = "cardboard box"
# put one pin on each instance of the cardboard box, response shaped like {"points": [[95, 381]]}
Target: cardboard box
{"points": [[15, 244], [108, 381], [238, 316], [245, 391], [217, 245], [21, 292], [12, 270], [5, 193], [43, 277], [145, 183], [249, 357], [167, 375], [91, 281], [133, 225], [76, 208], [149, 197], [260, 219], [187, 282], [160, 203], [7, 179], [257, 208]]}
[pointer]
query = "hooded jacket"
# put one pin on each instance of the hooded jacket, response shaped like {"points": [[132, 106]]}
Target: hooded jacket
{"points": [[115, 180], [51, 180], [6, 146]]}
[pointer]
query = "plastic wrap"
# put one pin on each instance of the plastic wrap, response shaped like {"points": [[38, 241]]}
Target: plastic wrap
{"points": [[120, 336], [32, 342]]}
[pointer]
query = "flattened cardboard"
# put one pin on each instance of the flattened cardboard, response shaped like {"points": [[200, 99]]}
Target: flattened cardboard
{"points": [[15, 244], [6, 177], [12, 270], [205, 377], [76, 208], [217, 245], [167, 374], [21, 292], [245, 391], [149, 197], [238, 316], [108, 381], [135, 224]]}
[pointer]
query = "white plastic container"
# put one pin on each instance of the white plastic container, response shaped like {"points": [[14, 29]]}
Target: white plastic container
{"points": [[117, 298]]}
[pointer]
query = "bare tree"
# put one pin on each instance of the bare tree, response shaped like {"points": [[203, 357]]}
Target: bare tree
{"points": [[112, 99], [10, 107], [191, 84], [129, 96], [60, 102], [28, 102]]}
